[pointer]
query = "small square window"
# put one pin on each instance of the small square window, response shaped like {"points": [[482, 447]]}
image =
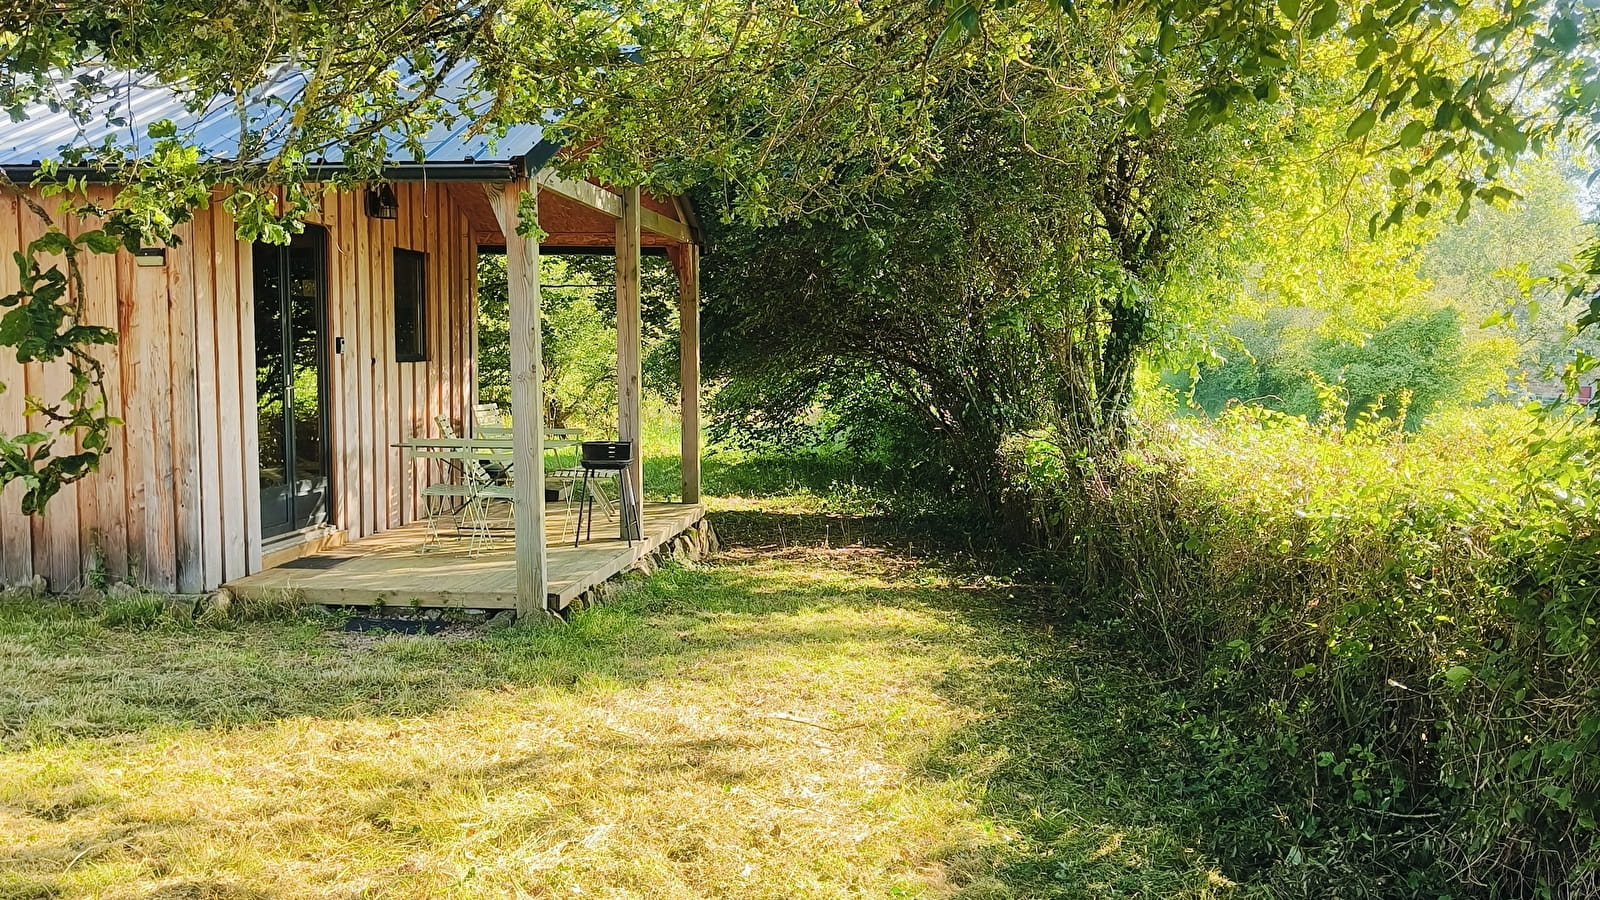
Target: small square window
{"points": [[410, 306]]}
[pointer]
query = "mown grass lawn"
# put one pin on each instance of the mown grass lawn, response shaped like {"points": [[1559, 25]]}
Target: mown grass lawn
{"points": [[789, 721]]}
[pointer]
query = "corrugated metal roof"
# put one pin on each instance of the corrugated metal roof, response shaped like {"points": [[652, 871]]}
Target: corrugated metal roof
{"points": [[124, 112]]}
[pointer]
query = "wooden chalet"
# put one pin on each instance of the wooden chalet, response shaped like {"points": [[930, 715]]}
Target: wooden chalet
{"points": [[265, 388]]}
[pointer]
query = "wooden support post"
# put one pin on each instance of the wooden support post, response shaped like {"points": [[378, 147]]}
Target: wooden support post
{"points": [[527, 389], [689, 369], [630, 424]]}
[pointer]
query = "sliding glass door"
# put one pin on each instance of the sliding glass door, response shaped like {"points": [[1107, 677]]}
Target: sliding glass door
{"points": [[291, 383]]}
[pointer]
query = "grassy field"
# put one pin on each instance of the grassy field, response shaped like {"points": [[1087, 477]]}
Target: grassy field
{"points": [[795, 719]]}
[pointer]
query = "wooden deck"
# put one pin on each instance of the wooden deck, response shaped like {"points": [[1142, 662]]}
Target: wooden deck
{"points": [[394, 568]]}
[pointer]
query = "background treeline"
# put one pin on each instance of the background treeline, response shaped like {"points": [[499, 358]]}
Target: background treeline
{"points": [[579, 322], [1409, 321]]}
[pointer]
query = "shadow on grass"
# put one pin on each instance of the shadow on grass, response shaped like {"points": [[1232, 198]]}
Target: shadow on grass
{"points": [[1085, 764], [65, 676]]}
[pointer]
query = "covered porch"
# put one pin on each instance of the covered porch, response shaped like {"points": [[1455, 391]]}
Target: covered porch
{"points": [[533, 565]]}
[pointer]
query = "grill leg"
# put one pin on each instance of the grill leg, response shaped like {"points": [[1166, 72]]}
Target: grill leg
{"points": [[583, 502], [588, 485]]}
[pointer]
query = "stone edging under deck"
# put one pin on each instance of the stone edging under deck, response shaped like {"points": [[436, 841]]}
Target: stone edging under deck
{"points": [[692, 545]]}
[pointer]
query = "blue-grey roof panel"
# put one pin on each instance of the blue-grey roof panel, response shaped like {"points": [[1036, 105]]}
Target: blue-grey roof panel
{"points": [[124, 113]]}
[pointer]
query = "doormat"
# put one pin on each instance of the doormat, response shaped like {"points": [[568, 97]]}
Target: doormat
{"points": [[396, 626], [316, 562]]}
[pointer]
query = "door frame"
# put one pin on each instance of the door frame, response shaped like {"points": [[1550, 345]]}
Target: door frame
{"points": [[316, 236]]}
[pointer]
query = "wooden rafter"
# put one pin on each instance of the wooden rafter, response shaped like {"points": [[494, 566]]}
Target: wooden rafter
{"points": [[601, 200]]}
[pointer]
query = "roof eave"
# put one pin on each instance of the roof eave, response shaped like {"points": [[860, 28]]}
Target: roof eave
{"points": [[486, 170]]}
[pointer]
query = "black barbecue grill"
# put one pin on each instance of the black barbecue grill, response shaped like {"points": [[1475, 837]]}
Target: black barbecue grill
{"points": [[607, 454], [600, 457]]}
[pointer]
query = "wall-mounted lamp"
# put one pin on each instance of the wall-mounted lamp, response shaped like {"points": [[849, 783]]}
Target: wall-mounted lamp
{"points": [[150, 256], [382, 203]]}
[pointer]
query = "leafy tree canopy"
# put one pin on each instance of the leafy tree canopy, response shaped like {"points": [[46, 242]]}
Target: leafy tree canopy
{"points": [[791, 109], [797, 107]]}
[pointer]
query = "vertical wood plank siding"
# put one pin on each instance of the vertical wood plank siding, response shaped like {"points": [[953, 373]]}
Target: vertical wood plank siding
{"points": [[16, 537], [175, 505], [186, 440], [101, 275], [235, 381], [55, 540]]}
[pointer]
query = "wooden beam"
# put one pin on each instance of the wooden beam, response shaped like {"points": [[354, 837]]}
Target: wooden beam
{"points": [[527, 400], [630, 423], [603, 201], [650, 220], [689, 369], [593, 196]]}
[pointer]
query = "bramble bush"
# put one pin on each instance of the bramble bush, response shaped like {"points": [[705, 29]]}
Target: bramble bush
{"points": [[1391, 636]]}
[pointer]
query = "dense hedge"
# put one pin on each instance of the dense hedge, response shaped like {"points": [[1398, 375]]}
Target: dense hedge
{"points": [[1393, 636]]}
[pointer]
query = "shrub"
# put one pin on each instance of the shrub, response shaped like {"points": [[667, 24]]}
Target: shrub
{"points": [[1393, 635], [1413, 363]]}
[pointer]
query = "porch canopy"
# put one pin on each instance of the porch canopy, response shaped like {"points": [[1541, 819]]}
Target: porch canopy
{"points": [[495, 178], [582, 215]]}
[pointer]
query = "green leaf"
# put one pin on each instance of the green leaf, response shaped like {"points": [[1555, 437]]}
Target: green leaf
{"points": [[1141, 122], [1510, 139], [1167, 39], [1457, 675], [1564, 33], [1158, 100], [1444, 118], [1325, 17], [956, 27], [14, 326], [1290, 9], [1411, 135], [1362, 124], [100, 242], [50, 242]]}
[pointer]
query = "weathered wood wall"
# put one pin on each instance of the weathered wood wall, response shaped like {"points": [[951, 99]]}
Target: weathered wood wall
{"points": [[175, 505]]}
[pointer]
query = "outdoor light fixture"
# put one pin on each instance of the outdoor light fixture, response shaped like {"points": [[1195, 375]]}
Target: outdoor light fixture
{"points": [[151, 256], [382, 203]]}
